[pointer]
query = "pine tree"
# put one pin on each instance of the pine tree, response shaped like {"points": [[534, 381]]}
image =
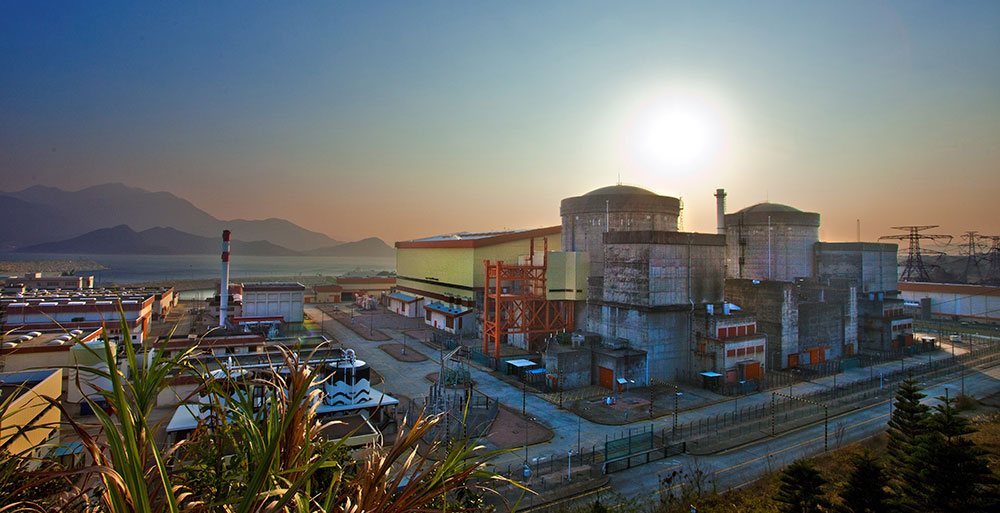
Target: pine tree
{"points": [[955, 473], [866, 490], [801, 489], [907, 424]]}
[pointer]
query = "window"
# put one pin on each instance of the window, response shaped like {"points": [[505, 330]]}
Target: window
{"points": [[751, 329], [427, 315], [450, 322], [722, 332], [731, 352], [741, 352], [742, 330]]}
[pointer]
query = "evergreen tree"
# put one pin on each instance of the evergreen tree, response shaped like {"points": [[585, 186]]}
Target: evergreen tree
{"points": [[955, 473], [866, 490], [801, 489], [907, 424]]}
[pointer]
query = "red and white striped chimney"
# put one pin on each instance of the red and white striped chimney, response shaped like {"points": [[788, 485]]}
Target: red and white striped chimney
{"points": [[224, 284]]}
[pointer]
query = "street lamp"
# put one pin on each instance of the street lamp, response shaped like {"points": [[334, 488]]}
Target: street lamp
{"points": [[677, 397]]}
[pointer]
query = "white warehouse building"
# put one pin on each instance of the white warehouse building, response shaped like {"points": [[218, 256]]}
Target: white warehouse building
{"points": [[274, 299]]}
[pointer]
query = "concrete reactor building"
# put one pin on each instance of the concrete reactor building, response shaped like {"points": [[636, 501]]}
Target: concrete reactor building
{"points": [[770, 241], [646, 280]]}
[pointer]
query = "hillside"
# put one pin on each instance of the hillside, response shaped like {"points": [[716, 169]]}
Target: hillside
{"points": [[122, 239], [49, 214], [372, 246]]}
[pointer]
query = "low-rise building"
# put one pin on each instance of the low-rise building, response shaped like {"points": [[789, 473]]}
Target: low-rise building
{"points": [[328, 293], [44, 312], [728, 344], [51, 281], [283, 299], [30, 424], [375, 286], [404, 304], [450, 318]]}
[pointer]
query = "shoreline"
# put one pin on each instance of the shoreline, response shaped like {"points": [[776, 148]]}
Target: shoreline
{"points": [[79, 265], [213, 283]]}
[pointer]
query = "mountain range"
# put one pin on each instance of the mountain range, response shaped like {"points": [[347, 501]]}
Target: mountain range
{"points": [[115, 218]]}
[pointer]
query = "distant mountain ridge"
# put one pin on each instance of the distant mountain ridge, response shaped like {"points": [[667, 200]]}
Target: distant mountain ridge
{"points": [[123, 240], [48, 214], [372, 246]]}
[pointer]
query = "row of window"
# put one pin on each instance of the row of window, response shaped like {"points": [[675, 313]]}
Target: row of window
{"points": [[737, 331], [745, 351], [903, 327]]}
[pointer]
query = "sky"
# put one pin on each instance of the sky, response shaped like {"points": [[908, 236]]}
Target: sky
{"points": [[409, 119]]}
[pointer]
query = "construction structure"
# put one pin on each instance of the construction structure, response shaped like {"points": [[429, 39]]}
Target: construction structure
{"points": [[516, 308], [914, 268]]}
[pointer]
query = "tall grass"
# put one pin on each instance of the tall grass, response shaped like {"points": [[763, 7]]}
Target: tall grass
{"points": [[249, 453]]}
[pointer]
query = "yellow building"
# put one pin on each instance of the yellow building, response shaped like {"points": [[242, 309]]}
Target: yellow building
{"points": [[450, 269], [29, 425]]}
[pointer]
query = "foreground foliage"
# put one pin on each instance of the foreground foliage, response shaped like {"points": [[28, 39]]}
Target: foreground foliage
{"points": [[257, 448]]}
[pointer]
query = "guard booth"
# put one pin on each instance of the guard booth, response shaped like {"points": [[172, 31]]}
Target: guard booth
{"points": [[711, 381]]}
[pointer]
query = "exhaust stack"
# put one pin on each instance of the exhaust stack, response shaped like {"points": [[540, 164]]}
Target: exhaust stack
{"points": [[720, 210], [224, 283]]}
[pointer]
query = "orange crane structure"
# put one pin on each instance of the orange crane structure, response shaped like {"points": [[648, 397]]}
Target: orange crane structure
{"points": [[515, 303]]}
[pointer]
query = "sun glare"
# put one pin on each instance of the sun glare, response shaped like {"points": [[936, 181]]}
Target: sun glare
{"points": [[675, 133]]}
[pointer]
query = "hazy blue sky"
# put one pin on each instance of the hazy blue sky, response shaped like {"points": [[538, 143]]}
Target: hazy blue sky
{"points": [[415, 118]]}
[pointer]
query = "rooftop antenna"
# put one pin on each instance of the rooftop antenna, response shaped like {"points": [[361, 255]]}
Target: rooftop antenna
{"points": [[914, 269], [619, 177]]}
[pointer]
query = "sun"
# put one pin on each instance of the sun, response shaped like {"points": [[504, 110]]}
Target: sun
{"points": [[675, 132]]}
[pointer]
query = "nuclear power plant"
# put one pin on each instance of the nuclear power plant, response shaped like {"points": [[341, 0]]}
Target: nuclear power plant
{"points": [[629, 299]]}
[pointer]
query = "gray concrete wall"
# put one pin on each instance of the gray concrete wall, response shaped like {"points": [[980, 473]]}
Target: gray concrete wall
{"points": [[665, 336], [573, 366], [654, 269], [869, 266], [774, 305], [788, 256]]}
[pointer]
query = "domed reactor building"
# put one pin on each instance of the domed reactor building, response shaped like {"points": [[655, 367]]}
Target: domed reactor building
{"points": [[645, 281]]}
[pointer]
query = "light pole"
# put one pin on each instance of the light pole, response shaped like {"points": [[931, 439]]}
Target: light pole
{"points": [[569, 466], [677, 397], [736, 399]]}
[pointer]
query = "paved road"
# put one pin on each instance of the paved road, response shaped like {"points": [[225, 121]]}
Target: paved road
{"points": [[742, 465], [408, 378]]}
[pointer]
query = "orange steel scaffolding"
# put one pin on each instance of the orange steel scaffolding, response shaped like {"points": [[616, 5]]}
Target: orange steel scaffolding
{"points": [[514, 303]]}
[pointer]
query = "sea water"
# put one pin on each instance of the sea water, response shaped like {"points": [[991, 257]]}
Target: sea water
{"points": [[123, 269]]}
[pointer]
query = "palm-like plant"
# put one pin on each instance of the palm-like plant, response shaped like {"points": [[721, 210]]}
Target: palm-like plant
{"points": [[251, 452]]}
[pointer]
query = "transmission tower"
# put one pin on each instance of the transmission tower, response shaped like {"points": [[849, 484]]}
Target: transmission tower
{"points": [[992, 257], [970, 248], [914, 269]]}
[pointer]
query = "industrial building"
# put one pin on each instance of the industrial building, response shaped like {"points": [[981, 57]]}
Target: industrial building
{"points": [[977, 303], [352, 286], [816, 301], [88, 310], [870, 267], [274, 299], [50, 281], [449, 268], [644, 282], [30, 423]]}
